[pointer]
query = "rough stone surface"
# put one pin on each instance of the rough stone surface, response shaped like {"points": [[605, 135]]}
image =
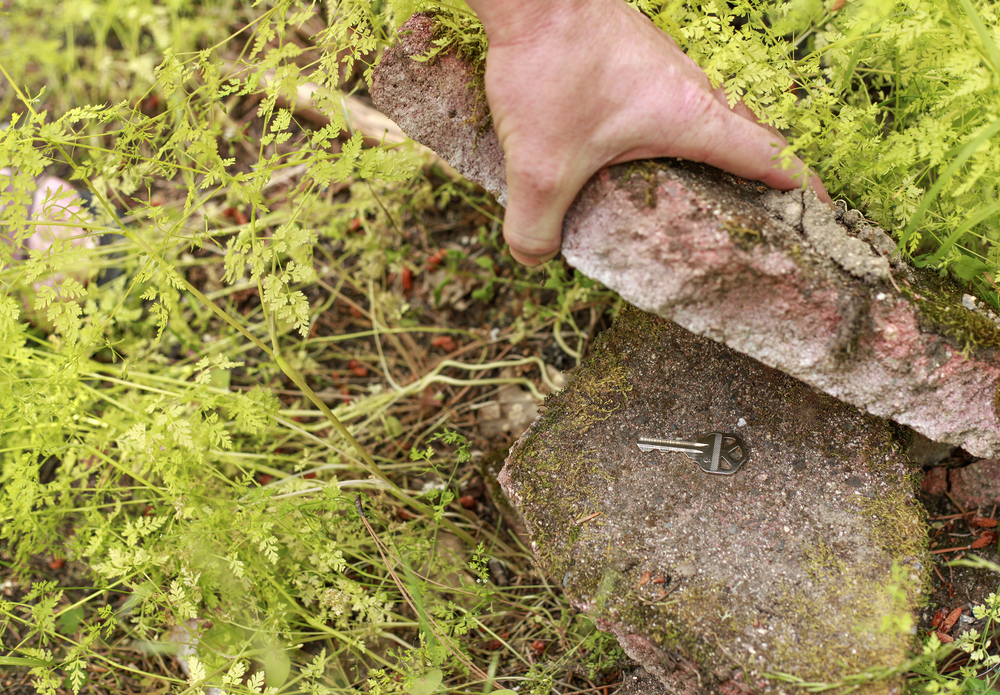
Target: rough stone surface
{"points": [[777, 276], [976, 485], [436, 94], [787, 566], [935, 482], [641, 683]]}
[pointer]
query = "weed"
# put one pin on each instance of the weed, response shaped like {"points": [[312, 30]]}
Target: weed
{"points": [[188, 414]]}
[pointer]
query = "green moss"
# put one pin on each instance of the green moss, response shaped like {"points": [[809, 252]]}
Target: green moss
{"points": [[940, 303], [461, 33], [820, 562], [996, 401], [649, 171], [743, 235]]}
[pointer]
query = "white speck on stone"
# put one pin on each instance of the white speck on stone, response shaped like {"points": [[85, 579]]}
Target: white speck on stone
{"points": [[880, 296], [741, 422], [788, 530], [968, 301]]}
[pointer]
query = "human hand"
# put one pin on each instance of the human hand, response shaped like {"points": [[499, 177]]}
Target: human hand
{"points": [[576, 85]]}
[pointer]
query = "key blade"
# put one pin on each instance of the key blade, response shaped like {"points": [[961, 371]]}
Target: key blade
{"points": [[653, 444]]}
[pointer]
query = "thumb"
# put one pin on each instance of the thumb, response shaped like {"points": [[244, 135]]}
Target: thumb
{"points": [[538, 194]]}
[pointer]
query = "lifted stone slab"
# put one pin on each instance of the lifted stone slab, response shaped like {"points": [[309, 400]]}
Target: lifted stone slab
{"points": [[808, 561], [777, 276]]}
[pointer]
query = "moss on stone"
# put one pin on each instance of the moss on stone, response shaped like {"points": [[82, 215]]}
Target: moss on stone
{"points": [[940, 303], [464, 35], [744, 236]]}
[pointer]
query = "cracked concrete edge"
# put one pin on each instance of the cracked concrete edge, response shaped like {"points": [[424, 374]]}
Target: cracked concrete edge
{"points": [[772, 275]]}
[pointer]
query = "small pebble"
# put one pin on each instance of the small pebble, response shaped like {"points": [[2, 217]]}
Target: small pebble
{"points": [[741, 423], [799, 464], [854, 481], [968, 301]]}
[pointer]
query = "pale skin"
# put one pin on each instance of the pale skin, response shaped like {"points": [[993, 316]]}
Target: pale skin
{"points": [[576, 85]]}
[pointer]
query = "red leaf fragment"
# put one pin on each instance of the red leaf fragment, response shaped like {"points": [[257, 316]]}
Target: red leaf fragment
{"points": [[436, 259], [538, 647], [644, 579], [444, 342], [658, 579], [235, 214], [358, 368], [467, 501], [407, 280], [57, 563]]}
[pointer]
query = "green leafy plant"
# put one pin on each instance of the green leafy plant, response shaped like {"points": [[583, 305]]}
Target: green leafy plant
{"points": [[895, 104], [189, 413]]}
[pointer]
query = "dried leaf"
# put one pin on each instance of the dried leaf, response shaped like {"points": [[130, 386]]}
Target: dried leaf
{"points": [[950, 621], [444, 342], [988, 538], [939, 615], [644, 579]]}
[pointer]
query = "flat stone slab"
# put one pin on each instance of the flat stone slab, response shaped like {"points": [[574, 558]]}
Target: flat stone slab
{"points": [[808, 561], [778, 276]]}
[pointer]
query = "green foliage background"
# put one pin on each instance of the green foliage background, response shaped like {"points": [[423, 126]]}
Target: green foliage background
{"points": [[127, 383]]}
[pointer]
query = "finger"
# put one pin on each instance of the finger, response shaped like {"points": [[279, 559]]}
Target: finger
{"points": [[538, 195], [741, 146]]}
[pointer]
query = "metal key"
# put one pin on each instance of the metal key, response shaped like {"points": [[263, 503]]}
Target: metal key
{"points": [[715, 452]]}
